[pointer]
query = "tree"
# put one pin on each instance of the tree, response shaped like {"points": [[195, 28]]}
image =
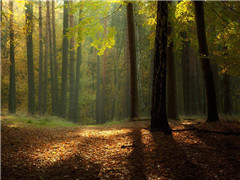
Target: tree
{"points": [[55, 64], [12, 87], [133, 65], [104, 77], [72, 72], [78, 74], [45, 81], [29, 26], [159, 119], [212, 113], [51, 59], [63, 103], [98, 94], [40, 83]]}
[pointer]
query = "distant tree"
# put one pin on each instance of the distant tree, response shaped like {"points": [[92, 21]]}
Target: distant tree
{"points": [[63, 103], [133, 65], [78, 74], [31, 88], [98, 94], [45, 81], [71, 72], [127, 80], [40, 76], [55, 64], [12, 87], [205, 62], [103, 100], [50, 41], [159, 119]]}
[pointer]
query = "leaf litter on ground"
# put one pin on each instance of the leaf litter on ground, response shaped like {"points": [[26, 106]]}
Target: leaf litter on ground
{"points": [[121, 151]]}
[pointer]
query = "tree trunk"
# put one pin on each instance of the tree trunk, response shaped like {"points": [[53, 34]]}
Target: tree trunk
{"points": [[45, 83], [104, 77], [159, 119], [40, 82], [72, 73], [98, 94], [31, 88], [205, 63], [133, 65], [78, 64], [51, 59], [55, 64], [127, 79], [63, 103], [12, 87]]}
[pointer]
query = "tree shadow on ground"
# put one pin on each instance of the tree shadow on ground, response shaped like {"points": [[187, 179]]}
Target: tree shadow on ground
{"points": [[136, 158], [171, 156], [222, 151]]}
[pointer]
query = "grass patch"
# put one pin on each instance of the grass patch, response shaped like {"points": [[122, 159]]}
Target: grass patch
{"points": [[37, 121]]}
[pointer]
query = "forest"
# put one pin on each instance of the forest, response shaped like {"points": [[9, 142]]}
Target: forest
{"points": [[120, 89]]}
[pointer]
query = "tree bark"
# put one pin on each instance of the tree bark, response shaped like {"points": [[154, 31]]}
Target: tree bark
{"points": [[12, 83], [159, 119], [30, 64], [133, 65], [212, 113], [63, 103]]}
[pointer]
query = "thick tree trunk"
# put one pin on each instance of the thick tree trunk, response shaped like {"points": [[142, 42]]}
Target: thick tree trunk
{"points": [[63, 103], [205, 62], [159, 119], [40, 78], [171, 83], [72, 73], [133, 65], [227, 95], [31, 88], [55, 64], [12, 87]]}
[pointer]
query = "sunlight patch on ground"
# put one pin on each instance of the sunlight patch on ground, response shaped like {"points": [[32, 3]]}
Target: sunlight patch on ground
{"points": [[146, 137], [89, 145], [102, 133], [187, 138]]}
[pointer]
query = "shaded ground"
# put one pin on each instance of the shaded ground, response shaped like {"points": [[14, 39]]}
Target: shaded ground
{"points": [[125, 151]]}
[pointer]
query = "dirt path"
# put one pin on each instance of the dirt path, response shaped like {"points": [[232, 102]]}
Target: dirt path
{"points": [[126, 151]]}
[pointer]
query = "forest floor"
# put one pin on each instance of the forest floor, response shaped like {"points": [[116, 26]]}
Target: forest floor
{"points": [[122, 151]]}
